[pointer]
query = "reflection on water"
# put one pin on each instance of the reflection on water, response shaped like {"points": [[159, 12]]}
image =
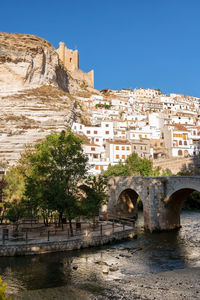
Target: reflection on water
{"points": [[149, 253]]}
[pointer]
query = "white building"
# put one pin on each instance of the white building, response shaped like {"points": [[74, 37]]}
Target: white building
{"points": [[146, 93], [96, 134], [97, 161], [118, 150]]}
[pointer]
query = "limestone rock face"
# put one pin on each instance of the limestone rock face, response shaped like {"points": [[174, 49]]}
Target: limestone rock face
{"points": [[27, 61], [35, 93], [28, 116]]}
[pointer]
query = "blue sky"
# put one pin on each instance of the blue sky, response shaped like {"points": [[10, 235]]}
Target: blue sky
{"points": [[129, 43]]}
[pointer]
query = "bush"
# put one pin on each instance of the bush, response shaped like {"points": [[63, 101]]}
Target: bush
{"points": [[3, 290]]}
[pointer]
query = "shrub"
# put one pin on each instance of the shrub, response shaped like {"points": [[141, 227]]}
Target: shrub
{"points": [[3, 290]]}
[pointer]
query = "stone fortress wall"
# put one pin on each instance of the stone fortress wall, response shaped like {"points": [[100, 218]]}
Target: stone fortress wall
{"points": [[175, 164], [70, 59]]}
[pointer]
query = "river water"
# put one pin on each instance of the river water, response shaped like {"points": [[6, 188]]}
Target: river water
{"points": [[149, 253]]}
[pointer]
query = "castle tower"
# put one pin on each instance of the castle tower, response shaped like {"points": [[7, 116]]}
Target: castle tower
{"points": [[61, 51], [70, 59]]}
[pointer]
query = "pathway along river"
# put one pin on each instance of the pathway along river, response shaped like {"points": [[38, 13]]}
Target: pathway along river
{"points": [[149, 253]]}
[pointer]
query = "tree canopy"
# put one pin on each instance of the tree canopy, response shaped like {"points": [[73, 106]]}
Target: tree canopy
{"points": [[57, 167], [136, 166], [51, 180]]}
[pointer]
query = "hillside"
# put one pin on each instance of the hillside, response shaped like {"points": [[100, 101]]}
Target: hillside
{"points": [[30, 115], [36, 93]]}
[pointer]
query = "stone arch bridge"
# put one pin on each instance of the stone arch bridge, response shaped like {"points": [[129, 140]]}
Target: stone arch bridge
{"points": [[162, 198]]}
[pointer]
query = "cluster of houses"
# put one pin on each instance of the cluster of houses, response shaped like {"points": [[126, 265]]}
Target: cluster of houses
{"points": [[144, 121]]}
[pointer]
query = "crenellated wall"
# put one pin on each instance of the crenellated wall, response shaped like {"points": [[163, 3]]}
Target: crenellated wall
{"points": [[70, 60]]}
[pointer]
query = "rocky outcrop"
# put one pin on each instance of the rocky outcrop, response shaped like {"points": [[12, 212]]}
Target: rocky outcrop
{"points": [[35, 93], [28, 116], [27, 61]]}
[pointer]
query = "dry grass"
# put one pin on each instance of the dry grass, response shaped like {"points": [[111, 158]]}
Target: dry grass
{"points": [[22, 122], [84, 94], [85, 120], [45, 93], [19, 40]]}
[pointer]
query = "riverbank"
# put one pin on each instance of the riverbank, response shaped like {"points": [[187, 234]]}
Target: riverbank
{"points": [[108, 233], [171, 285], [137, 269]]}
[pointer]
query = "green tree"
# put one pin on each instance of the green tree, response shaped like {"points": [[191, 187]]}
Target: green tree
{"points": [[2, 204], [15, 211], [166, 172], [117, 170], [15, 178], [136, 166], [14, 189], [57, 169], [95, 189], [139, 166]]}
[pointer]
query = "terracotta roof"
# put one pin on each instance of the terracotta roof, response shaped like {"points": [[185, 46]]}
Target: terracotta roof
{"points": [[179, 127], [92, 144], [119, 141]]}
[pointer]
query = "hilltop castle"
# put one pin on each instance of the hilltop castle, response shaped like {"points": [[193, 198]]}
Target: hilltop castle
{"points": [[70, 59]]}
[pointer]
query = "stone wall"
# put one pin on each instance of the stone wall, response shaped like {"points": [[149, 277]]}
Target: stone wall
{"points": [[162, 198], [70, 60], [176, 165], [73, 243]]}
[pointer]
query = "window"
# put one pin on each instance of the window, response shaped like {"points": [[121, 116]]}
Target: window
{"points": [[95, 155], [95, 132], [180, 152], [133, 135], [97, 140], [107, 132], [123, 156], [96, 167], [107, 125], [127, 148], [92, 148], [185, 143], [180, 143], [123, 132], [123, 147], [117, 148], [117, 156], [140, 136], [141, 148], [101, 167], [88, 131], [135, 147]]}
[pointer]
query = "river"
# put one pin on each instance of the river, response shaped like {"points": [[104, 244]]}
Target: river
{"points": [[149, 253]]}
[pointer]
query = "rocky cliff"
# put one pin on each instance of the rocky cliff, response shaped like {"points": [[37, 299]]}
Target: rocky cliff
{"points": [[28, 116], [27, 61], [35, 93]]}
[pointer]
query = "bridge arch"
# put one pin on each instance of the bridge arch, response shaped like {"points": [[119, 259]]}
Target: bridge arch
{"points": [[162, 198], [173, 204], [127, 203]]}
